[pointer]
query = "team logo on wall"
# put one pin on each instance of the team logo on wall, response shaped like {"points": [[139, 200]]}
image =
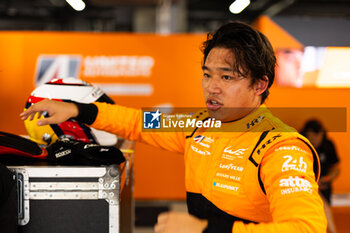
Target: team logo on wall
{"points": [[49, 67]]}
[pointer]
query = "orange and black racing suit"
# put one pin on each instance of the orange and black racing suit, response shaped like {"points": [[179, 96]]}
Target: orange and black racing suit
{"points": [[255, 175]]}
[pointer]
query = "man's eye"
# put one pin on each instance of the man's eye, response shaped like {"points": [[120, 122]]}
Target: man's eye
{"points": [[226, 77], [205, 75]]}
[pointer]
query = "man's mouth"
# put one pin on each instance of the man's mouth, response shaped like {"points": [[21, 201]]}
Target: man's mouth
{"points": [[213, 104]]}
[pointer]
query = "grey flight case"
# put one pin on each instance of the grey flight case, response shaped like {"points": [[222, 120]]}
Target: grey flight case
{"points": [[76, 199]]}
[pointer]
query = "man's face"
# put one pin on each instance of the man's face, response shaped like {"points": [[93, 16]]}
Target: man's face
{"points": [[228, 95]]}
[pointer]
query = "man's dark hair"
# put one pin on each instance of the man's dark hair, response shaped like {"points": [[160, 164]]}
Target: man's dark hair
{"points": [[252, 50]]}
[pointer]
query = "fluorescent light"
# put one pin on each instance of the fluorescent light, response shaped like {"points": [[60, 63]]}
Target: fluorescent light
{"points": [[77, 5], [238, 6]]}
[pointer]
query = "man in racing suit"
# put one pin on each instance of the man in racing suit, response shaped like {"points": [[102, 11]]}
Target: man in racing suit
{"points": [[255, 174]]}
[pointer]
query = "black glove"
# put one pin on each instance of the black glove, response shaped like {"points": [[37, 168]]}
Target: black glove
{"points": [[72, 152]]}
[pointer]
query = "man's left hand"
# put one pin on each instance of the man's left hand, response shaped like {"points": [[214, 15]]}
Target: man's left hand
{"points": [[179, 222]]}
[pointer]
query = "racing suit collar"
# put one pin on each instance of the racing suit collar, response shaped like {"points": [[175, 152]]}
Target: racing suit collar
{"points": [[247, 123]]}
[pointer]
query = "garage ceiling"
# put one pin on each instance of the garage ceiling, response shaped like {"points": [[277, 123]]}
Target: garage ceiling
{"points": [[119, 15]]}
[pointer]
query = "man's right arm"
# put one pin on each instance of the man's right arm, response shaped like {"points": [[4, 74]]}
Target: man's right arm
{"points": [[123, 121]]}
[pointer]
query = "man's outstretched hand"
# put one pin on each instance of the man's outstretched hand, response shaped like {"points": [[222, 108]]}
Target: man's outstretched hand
{"points": [[179, 222], [58, 112]]}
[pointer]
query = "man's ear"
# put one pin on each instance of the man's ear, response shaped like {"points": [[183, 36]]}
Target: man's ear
{"points": [[261, 85]]}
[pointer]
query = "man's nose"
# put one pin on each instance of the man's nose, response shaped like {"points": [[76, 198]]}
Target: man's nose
{"points": [[214, 86]]}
